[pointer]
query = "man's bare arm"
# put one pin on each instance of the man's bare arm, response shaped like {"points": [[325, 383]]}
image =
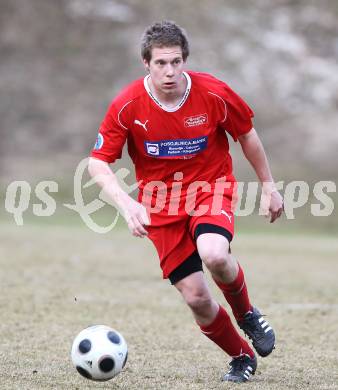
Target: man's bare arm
{"points": [[133, 212], [254, 152]]}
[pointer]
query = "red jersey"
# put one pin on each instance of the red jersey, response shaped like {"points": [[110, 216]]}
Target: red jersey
{"points": [[190, 138]]}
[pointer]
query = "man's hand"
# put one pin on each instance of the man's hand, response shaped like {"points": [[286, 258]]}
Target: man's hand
{"points": [[135, 215], [272, 201], [272, 204], [133, 212], [276, 206]]}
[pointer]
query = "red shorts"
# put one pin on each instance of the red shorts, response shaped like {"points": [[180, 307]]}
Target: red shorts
{"points": [[174, 235]]}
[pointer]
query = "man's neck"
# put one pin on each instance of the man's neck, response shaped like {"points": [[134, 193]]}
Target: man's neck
{"points": [[170, 100]]}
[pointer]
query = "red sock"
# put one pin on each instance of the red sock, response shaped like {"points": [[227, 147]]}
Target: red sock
{"points": [[222, 332], [236, 293]]}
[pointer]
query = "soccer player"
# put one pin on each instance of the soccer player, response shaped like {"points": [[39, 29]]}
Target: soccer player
{"points": [[176, 123]]}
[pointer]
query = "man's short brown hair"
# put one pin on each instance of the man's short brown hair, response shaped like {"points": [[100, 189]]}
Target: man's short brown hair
{"points": [[163, 34]]}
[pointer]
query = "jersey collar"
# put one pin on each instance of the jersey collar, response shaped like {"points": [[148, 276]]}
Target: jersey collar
{"points": [[164, 107]]}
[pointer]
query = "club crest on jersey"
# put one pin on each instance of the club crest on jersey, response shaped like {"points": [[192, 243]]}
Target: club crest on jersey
{"points": [[196, 120], [99, 142]]}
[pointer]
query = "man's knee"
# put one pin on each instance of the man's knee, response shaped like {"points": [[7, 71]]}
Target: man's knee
{"points": [[214, 251], [196, 296], [198, 301], [215, 259]]}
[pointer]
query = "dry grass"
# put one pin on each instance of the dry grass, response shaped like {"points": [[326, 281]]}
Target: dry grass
{"points": [[56, 281]]}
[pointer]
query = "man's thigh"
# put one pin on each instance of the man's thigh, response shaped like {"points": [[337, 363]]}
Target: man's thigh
{"points": [[212, 245], [174, 245], [219, 220]]}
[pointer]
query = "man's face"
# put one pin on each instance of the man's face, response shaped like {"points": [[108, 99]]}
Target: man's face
{"points": [[166, 68]]}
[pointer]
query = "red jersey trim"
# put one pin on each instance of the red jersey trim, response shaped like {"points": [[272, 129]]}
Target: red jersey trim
{"points": [[120, 112], [225, 106]]}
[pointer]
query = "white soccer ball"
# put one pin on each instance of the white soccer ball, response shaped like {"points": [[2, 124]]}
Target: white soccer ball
{"points": [[99, 353]]}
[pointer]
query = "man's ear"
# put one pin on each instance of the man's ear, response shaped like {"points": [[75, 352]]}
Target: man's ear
{"points": [[146, 64]]}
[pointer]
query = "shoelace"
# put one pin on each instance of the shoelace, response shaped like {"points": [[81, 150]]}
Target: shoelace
{"points": [[237, 364]]}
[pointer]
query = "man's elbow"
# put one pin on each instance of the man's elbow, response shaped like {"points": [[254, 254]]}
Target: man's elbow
{"points": [[96, 166]]}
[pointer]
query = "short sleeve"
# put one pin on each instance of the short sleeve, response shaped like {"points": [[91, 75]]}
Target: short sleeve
{"points": [[239, 115], [112, 135]]}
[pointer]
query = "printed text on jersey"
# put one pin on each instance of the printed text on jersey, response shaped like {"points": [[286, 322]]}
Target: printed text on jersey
{"points": [[175, 147]]}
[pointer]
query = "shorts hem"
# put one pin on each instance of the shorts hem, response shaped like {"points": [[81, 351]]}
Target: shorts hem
{"points": [[202, 228], [190, 265]]}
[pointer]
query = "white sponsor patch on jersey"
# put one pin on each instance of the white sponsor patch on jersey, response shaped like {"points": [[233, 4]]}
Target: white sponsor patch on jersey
{"points": [[196, 120]]}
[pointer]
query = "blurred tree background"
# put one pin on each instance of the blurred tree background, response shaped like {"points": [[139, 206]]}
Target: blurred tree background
{"points": [[62, 61]]}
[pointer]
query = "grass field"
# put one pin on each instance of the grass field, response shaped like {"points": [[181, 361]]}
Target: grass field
{"points": [[55, 281]]}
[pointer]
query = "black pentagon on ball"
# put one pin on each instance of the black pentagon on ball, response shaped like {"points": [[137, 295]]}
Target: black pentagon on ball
{"points": [[125, 360], [83, 372], [85, 346], [106, 364], [113, 337]]}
